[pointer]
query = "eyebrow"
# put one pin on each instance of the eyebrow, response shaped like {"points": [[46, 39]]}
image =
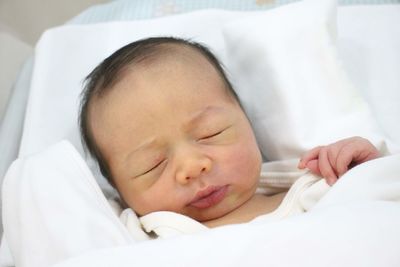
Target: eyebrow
{"points": [[200, 115], [143, 146], [194, 120]]}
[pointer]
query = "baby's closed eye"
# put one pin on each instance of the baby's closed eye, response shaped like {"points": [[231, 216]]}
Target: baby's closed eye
{"points": [[218, 134], [211, 135], [151, 168]]}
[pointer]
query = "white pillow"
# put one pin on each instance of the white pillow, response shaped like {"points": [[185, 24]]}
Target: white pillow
{"points": [[285, 67]]}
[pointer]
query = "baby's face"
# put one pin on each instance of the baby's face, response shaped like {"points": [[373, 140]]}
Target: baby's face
{"points": [[175, 140]]}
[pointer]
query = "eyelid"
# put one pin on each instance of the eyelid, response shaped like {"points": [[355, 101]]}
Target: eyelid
{"points": [[151, 169], [215, 134], [212, 135]]}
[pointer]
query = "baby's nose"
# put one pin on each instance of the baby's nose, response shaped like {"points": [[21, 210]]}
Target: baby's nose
{"points": [[192, 168]]}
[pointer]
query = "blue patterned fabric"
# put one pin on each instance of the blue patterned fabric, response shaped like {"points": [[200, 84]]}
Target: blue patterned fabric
{"points": [[145, 9]]}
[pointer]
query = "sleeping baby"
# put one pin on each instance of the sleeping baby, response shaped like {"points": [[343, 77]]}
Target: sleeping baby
{"points": [[169, 133]]}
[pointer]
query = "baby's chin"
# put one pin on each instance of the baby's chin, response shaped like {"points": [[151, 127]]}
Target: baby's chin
{"points": [[205, 217], [214, 213]]}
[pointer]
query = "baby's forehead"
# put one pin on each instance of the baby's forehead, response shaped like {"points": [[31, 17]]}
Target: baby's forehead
{"points": [[175, 58], [177, 54], [170, 78], [167, 63]]}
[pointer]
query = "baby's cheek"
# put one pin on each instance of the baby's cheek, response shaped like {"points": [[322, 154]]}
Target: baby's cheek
{"points": [[233, 198], [243, 162]]}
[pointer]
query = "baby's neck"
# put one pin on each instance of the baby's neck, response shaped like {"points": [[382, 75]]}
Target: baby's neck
{"points": [[258, 205]]}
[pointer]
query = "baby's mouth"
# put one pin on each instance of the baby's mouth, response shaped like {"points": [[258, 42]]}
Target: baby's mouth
{"points": [[209, 197]]}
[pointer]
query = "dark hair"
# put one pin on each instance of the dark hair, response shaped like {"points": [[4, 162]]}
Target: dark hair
{"points": [[110, 71]]}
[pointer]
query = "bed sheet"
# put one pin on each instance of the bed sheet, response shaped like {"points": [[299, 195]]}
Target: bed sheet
{"points": [[368, 42], [132, 10]]}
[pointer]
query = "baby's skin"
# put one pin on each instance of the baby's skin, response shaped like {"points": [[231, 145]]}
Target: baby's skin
{"points": [[333, 160], [175, 140]]}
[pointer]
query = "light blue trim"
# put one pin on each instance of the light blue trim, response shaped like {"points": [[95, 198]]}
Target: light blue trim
{"points": [[144, 9]]}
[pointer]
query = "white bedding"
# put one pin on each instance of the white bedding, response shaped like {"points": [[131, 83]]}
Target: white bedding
{"points": [[356, 224]]}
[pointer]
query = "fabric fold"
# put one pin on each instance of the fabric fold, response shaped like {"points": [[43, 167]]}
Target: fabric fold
{"points": [[53, 209]]}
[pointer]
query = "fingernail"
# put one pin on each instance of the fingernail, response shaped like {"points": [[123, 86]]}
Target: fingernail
{"points": [[300, 165]]}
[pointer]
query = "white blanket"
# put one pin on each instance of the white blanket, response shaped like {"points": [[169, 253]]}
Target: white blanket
{"points": [[71, 223]]}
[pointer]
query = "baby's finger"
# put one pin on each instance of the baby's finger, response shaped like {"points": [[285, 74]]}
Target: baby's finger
{"points": [[345, 157], [312, 165], [309, 155], [325, 167], [367, 151], [334, 152]]}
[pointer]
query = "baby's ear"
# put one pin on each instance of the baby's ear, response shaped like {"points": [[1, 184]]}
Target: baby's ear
{"points": [[312, 165]]}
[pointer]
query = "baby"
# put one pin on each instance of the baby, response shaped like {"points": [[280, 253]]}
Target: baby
{"points": [[169, 133]]}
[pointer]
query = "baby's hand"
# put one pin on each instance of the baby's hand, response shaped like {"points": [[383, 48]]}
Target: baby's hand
{"points": [[333, 160]]}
